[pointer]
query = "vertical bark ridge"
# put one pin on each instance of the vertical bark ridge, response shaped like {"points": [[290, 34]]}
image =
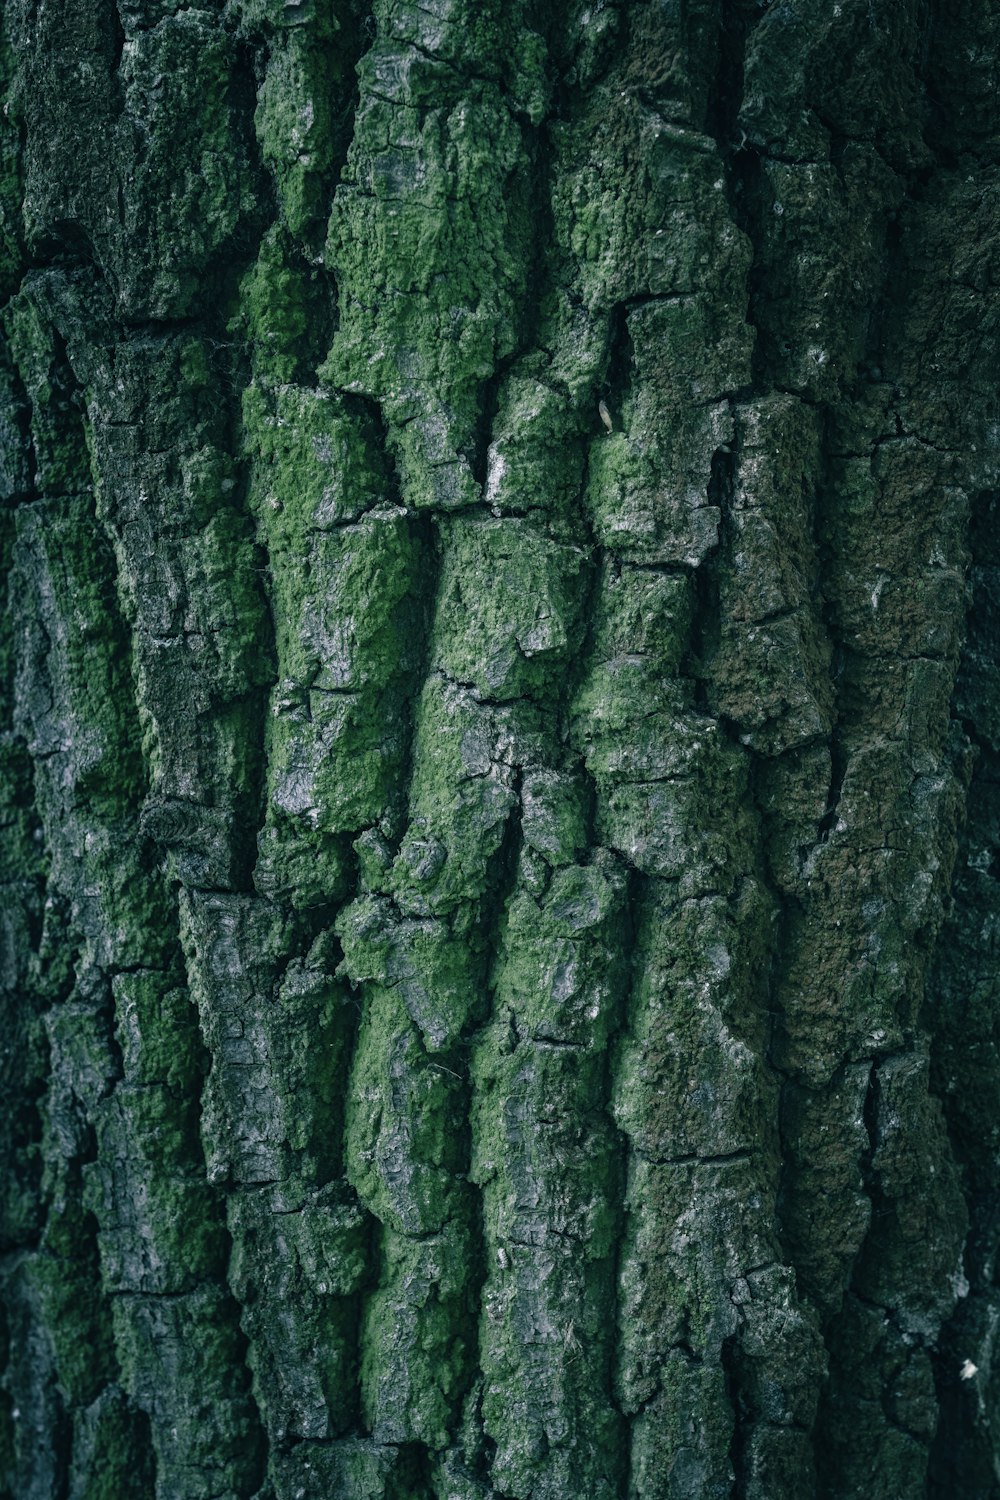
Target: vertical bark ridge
{"points": [[958, 1007], [421, 939], [539, 1069], [960, 999], [651, 781], [162, 1241], [546, 808], [106, 1113], [818, 356], [191, 596], [34, 1422]]}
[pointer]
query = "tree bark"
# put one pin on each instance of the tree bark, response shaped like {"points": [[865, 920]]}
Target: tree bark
{"points": [[501, 750]]}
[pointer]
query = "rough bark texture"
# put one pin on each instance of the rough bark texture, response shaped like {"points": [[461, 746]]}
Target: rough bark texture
{"points": [[501, 750]]}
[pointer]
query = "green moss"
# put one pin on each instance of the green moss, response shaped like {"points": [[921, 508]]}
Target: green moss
{"points": [[554, 975], [667, 777], [300, 866], [429, 238], [191, 179], [688, 1076], [23, 858], [461, 797], [66, 1274], [670, 1291], [159, 1227], [649, 500], [316, 462], [345, 599], [536, 454], [645, 614], [689, 350], [404, 1155], [329, 1234], [654, 825], [11, 174], [508, 617], [770, 669], [155, 1030], [310, 1251], [282, 314], [572, 997], [417, 1340], [220, 571], [682, 1441], [554, 806], [182, 1361], [164, 1134], [435, 971], [538, 1118], [117, 1453], [358, 611], [303, 116], [295, 122], [354, 1467], [310, 1033], [281, 1043], [647, 214], [62, 464], [62, 550], [127, 914], [537, 1121], [81, 1054], [441, 216], [348, 650], [501, 40]]}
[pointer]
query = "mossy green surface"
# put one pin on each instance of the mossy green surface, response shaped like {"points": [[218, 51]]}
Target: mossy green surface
{"points": [[281, 313], [11, 178], [67, 1276], [191, 183], [295, 122], [418, 1339], [491, 497], [181, 1359], [537, 1115], [430, 233], [117, 1462], [507, 621], [58, 442], [307, 1250], [436, 975], [403, 1156]]}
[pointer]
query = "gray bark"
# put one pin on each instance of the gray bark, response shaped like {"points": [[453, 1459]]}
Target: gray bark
{"points": [[500, 752]]}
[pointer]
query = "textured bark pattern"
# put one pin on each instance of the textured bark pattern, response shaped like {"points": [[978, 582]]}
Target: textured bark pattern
{"points": [[501, 777]]}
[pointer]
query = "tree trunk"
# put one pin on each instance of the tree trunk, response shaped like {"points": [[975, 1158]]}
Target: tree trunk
{"points": [[501, 750]]}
